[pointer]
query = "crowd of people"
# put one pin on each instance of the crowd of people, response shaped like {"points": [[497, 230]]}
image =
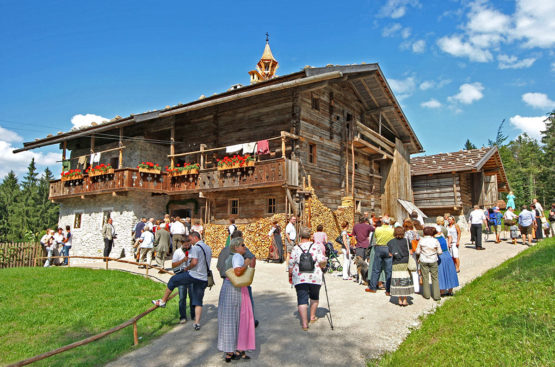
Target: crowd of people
{"points": [[56, 243], [399, 257]]}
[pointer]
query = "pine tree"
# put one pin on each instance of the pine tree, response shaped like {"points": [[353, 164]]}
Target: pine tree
{"points": [[47, 211], [468, 145], [25, 218], [9, 194]]}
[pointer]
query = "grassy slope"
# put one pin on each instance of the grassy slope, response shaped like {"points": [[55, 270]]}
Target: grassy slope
{"points": [[44, 308], [504, 318]]}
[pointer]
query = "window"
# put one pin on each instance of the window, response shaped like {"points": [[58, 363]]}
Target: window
{"points": [[271, 205], [233, 207], [311, 153], [77, 221], [114, 162], [315, 102]]}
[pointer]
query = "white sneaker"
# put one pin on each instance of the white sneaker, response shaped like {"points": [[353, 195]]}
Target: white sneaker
{"points": [[182, 321], [159, 303]]}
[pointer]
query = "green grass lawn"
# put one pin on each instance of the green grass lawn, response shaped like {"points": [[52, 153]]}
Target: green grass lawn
{"points": [[45, 308], [503, 318]]}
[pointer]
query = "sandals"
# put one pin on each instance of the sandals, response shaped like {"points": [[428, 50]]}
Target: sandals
{"points": [[305, 328], [229, 357], [313, 320], [240, 355]]}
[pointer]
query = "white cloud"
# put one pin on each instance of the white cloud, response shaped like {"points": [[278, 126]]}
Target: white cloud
{"points": [[19, 162], [405, 33], [455, 46], [86, 120], [391, 30], [535, 23], [397, 8], [403, 88], [427, 84], [512, 62], [419, 46], [529, 125], [9, 136], [538, 100], [432, 103], [487, 29], [468, 93]]}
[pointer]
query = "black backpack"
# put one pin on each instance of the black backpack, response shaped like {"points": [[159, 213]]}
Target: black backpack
{"points": [[306, 262]]}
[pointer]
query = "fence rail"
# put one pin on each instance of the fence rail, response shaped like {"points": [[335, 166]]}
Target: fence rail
{"points": [[20, 254], [132, 321]]}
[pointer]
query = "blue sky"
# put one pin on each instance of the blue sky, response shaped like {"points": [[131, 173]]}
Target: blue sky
{"points": [[458, 68]]}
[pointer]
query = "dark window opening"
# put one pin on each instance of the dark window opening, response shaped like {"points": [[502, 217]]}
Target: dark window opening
{"points": [[77, 221], [312, 153], [234, 206], [315, 103], [271, 205]]}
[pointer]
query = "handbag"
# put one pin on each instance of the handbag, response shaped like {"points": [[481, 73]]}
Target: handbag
{"points": [[210, 276], [243, 280], [412, 263]]}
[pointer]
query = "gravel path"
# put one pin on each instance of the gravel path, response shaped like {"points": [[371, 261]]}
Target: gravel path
{"points": [[366, 325]]}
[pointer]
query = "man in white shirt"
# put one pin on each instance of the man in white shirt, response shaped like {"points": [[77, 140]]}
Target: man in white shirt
{"points": [[178, 232], [47, 241], [510, 217], [477, 217], [538, 206], [146, 247], [150, 224], [290, 237]]}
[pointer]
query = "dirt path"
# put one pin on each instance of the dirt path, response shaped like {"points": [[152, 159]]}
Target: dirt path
{"points": [[366, 324]]}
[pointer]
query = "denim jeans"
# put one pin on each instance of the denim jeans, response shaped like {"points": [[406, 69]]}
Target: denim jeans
{"points": [[65, 252], [381, 256], [183, 290]]}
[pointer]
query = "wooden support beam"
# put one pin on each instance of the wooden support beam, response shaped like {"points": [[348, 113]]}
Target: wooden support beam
{"points": [[293, 203], [202, 148], [120, 144], [172, 145]]}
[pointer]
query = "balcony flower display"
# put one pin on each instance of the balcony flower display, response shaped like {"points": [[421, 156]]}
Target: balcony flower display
{"points": [[149, 167], [99, 170], [237, 161], [72, 174], [186, 169]]}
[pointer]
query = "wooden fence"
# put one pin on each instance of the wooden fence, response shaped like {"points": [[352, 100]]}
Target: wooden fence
{"points": [[20, 254], [132, 321]]}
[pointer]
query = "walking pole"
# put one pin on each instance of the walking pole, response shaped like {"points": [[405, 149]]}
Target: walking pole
{"points": [[327, 299]]}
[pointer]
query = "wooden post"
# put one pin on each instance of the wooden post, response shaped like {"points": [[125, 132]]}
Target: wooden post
{"points": [[135, 334], [202, 148], [353, 169], [283, 146], [309, 181], [64, 154], [120, 144], [107, 261], [146, 267], [346, 170], [380, 124], [304, 183], [172, 145]]}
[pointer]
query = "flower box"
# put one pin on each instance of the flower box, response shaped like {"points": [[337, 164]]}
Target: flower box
{"points": [[185, 172], [149, 170], [96, 173], [72, 178]]}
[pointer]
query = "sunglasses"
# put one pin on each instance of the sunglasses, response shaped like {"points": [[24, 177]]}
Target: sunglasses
{"points": [[243, 245]]}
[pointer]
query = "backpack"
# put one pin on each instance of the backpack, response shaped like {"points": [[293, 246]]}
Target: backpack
{"points": [[306, 262]]}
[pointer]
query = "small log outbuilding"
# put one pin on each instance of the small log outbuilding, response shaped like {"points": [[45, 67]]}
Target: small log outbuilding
{"points": [[455, 182]]}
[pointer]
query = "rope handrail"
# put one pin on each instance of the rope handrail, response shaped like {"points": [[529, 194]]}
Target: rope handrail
{"points": [[132, 321]]}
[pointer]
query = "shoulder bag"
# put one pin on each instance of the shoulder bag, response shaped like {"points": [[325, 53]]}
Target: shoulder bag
{"points": [[412, 262], [210, 277], [244, 280]]}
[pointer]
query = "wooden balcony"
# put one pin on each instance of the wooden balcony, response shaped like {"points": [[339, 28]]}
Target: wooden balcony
{"points": [[268, 173]]}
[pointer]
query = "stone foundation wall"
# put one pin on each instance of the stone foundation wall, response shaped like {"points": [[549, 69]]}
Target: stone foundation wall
{"points": [[125, 213]]}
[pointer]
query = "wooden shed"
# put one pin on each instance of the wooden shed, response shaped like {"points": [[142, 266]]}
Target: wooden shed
{"points": [[454, 182]]}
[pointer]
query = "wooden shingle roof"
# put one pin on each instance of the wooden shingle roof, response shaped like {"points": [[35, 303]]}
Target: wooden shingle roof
{"points": [[487, 160]]}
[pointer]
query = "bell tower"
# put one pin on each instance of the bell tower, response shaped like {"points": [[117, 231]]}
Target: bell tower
{"points": [[266, 66]]}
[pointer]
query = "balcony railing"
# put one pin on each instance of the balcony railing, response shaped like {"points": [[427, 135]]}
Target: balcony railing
{"points": [[273, 172]]}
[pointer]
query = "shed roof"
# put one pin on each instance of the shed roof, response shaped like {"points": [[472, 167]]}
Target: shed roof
{"points": [[485, 159]]}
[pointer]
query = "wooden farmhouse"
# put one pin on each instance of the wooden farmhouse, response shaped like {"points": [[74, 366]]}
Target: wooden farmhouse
{"points": [[339, 125], [455, 182]]}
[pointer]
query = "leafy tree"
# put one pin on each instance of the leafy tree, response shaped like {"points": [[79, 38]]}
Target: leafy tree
{"points": [[469, 146], [47, 211]]}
